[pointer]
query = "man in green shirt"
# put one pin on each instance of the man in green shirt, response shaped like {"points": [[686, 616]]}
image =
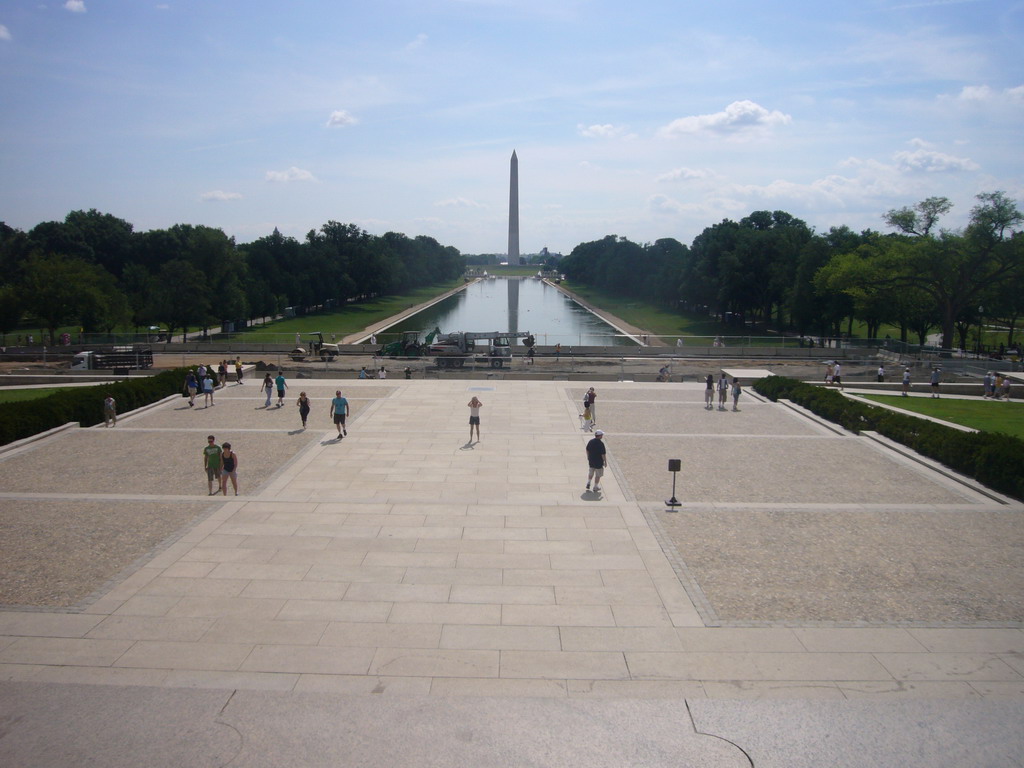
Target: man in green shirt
{"points": [[213, 462]]}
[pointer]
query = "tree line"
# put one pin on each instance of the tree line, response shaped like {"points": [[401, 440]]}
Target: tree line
{"points": [[94, 271], [772, 268]]}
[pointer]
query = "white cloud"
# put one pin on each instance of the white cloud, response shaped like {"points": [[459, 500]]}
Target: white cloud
{"points": [[458, 202], [1015, 94], [4, 33], [984, 94], [219, 195], [740, 117], [607, 131], [292, 174], [75, 6], [933, 162], [419, 42], [340, 118], [663, 205], [683, 174], [975, 93]]}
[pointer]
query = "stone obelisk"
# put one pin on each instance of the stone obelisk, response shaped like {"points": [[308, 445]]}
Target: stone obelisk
{"points": [[513, 210]]}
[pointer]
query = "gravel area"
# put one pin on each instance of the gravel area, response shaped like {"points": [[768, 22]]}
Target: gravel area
{"points": [[57, 553], [141, 462], [761, 469], [618, 417], [876, 567]]}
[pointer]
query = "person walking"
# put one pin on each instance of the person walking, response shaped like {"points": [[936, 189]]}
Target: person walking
{"points": [[363, 374], [109, 411], [382, 374], [591, 399], [736, 392], [587, 419], [837, 375], [191, 387], [229, 469], [222, 374], [303, 403], [213, 463], [408, 372], [208, 390], [988, 385], [597, 460], [474, 417], [339, 412], [936, 377], [238, 370], [282, 385], [881, 373], [906, 382], [268, 388], [723, 391], [709, 392]]}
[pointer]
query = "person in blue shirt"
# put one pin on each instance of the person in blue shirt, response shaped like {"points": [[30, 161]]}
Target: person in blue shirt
{"points": [[339, 412]]}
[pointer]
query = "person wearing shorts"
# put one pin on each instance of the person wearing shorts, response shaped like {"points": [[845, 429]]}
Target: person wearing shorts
{"points": [[282, 385], [709, 392], [597, 460], [229, 469], [339, 412], [213, 463], [474, 417]]}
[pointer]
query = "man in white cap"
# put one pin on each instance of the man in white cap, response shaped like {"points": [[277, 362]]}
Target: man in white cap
{"points": [[597, 459]]}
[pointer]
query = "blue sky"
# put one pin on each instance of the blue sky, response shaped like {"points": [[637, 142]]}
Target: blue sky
{"points": [[645, 119]]}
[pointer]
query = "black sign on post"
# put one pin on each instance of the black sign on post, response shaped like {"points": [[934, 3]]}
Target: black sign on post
{"points": [[674, 465]]}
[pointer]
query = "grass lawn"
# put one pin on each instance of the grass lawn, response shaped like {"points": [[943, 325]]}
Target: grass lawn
{"points": [[985, 415], [350, 319], [20, 395]]}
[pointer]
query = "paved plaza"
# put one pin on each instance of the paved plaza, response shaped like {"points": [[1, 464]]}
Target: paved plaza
{"points": [[402, 587]]}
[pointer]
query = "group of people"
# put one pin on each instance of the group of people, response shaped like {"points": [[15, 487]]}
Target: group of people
{"points": [[723, 387], [221, 465], [996, 386], [201, 380]]}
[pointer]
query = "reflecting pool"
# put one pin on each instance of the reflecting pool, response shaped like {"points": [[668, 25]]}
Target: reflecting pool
{"points": [[510, 305]]}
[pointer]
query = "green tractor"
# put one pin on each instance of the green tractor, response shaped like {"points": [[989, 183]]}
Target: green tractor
{"points": [[409, 345]]}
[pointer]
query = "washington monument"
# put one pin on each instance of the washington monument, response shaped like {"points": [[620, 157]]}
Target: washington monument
{"points": [[513, 210]]}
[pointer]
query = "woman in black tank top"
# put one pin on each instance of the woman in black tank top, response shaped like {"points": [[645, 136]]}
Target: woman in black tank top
{"points": [[230, 470]]}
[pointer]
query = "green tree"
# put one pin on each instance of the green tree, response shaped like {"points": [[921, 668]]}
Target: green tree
{"points": [[60, 290]]}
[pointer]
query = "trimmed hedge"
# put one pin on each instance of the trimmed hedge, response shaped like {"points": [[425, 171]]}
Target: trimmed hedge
{"points": [[993, 459], [85, 404]]}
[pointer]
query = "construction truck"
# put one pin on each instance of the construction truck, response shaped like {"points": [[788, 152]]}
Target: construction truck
{"points": [[453, 350], [118, 358], [409, 345], [315, 347]]}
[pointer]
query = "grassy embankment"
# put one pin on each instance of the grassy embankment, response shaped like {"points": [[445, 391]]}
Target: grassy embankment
{"points": [[984, 415]]}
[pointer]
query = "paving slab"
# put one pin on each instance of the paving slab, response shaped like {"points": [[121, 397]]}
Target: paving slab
{"points": [[412, 578]]}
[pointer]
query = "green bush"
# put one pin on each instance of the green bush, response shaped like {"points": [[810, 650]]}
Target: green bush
{"points": [[994, 459], [84, 404]]}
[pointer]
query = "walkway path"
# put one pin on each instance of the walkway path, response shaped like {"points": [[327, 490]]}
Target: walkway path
{"points": [[357, 586]]}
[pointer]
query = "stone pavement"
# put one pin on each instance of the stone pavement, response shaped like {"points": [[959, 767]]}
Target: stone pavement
{"points": [[404, 597]]}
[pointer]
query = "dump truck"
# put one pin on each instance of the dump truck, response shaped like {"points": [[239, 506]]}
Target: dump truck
{"points": [[409, 345], [118, 358], [453, 350], [315, 347]]}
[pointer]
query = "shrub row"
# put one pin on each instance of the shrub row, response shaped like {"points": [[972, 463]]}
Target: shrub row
{"points": [[84, 404], [993, 459]]}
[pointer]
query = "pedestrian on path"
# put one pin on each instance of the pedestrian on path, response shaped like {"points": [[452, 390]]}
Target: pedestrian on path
{"points": [[282, 385], [723, 391], [238, 370], [1004, 390], [191, 387], [936, 377], [587, 419], [303, 403], [382, 374], [906, 382], [208, 390], [881, 373], [229, 469], [109, 411], [268, 388], [474, 417], [736, 392], [213, 463], [339, 412], [837, 375], [222, 374], [597, 460], [709, 392], [989, 385], [591, 399]]}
